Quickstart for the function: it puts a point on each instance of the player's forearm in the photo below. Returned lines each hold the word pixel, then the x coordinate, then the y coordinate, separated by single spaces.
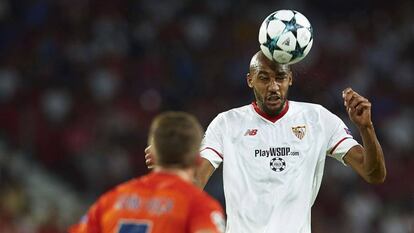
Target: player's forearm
pixel 200 181
pixel 374 164
pixel 203 172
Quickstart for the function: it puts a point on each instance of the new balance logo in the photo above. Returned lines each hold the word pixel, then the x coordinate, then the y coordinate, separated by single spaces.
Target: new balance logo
pixel 250 132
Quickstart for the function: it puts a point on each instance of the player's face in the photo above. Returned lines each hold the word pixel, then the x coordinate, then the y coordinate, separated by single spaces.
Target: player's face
pixel 270 83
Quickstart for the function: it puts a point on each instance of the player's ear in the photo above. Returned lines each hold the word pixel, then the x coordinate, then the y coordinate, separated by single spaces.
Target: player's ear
pixel 249 80
pixel 290 78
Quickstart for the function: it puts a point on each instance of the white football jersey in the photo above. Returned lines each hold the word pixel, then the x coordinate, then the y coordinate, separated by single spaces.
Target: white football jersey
pixel 273 167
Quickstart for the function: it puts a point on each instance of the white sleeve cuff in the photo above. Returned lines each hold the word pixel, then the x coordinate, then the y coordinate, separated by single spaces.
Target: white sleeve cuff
pixel 341 148
pixel 212 155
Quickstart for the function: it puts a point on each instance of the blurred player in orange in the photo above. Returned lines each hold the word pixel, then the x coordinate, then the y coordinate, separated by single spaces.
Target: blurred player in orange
pixel 164 201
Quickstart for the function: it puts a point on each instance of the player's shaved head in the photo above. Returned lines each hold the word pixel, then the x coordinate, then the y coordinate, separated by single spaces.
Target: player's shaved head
pixel 259 59
pixel 270 83
pixel 176 137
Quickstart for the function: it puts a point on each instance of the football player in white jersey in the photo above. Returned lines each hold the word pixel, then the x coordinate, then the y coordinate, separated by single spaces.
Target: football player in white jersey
pixel 273 152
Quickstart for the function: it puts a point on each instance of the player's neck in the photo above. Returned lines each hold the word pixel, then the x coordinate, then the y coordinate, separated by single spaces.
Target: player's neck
pixel 186 174
pixel 271 117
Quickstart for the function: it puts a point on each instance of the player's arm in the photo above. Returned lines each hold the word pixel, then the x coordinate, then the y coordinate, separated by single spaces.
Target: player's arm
pixel 367 161
pixel 203 172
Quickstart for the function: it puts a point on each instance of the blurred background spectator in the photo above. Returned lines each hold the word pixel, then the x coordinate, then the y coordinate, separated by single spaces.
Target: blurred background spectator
pixel 80 81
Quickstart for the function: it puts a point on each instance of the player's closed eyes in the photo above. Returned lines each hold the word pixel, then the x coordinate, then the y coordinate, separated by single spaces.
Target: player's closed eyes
pixel 281 78
pixel 278 78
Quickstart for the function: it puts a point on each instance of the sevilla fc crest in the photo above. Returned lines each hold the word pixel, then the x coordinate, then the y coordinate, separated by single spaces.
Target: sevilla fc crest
pixel 299 131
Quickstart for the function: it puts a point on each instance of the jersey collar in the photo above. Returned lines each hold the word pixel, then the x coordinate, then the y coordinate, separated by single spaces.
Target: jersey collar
pixel 269 118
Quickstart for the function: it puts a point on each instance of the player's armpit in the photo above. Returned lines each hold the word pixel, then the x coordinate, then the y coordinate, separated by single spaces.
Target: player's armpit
pixel 203 172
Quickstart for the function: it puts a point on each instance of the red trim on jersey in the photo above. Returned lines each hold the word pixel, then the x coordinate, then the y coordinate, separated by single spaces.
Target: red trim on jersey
pixel 267 117
pixel 220 155
pixel 337 144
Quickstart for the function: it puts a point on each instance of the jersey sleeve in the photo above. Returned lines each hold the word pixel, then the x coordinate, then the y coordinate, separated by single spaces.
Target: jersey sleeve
pixel 212 144
pixel 206 214
pixel 340 139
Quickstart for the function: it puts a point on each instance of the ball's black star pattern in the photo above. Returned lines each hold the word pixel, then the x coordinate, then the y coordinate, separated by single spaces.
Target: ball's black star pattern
pixel 290 26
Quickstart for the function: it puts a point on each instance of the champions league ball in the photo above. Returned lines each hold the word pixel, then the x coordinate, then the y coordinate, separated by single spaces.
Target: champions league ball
pixel 286 36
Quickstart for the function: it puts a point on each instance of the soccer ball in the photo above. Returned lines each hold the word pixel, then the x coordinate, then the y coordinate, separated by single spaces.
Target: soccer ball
pixel 286 36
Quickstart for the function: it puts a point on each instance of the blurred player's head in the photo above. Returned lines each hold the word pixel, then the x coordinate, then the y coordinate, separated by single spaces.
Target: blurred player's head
pixel 270 82
pixel 176 138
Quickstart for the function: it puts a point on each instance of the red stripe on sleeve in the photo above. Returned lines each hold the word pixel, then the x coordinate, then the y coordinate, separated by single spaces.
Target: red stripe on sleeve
pixel 337 144
pixel 209 148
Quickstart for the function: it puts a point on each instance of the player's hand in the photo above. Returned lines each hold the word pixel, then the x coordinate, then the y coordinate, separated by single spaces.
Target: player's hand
pixel 149 159
pixel 357 107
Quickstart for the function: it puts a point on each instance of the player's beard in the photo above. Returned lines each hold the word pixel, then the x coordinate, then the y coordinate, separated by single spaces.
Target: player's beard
pixel 261 104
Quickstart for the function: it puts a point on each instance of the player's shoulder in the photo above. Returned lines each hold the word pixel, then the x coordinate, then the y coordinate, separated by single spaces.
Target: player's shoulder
pixel 312 111
pixel 304 105
pixel 147 182
pixel 160 181
pixel 296 106
pixel 235 113
pixel 106 199
pixel 240 110
pixel 138 185
pixel 193 194
pixel 126 186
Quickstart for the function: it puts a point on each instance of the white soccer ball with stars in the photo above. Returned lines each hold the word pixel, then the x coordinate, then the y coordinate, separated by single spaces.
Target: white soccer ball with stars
pixel 286 36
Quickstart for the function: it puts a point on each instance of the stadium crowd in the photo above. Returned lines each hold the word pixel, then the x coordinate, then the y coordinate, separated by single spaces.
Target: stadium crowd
pixel 80 81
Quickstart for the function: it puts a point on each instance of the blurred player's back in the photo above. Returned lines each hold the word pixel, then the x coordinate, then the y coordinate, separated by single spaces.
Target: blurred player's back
pixel 164 201
pixel 157 203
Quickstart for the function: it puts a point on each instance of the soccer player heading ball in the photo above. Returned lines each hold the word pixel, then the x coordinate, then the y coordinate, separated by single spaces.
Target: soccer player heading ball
pixel 273 152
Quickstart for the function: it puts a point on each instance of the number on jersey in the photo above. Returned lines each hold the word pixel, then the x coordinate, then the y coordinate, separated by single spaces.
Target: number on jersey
pixel 134 226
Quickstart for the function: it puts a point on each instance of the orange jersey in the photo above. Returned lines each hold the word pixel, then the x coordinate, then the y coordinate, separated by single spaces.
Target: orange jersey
pixel 155 203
